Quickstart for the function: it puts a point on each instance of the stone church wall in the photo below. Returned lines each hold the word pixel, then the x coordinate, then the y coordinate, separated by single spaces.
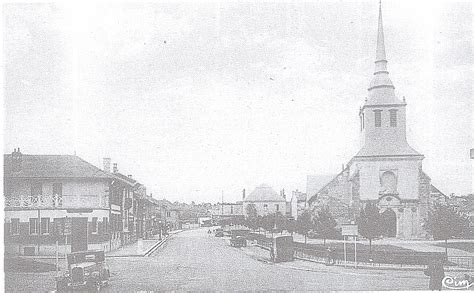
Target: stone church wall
pixel 371 170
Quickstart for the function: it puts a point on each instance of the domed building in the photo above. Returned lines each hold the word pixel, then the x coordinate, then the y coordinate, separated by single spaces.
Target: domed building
pixel 266 201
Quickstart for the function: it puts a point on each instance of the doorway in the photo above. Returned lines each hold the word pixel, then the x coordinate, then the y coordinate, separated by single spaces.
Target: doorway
pixel 79 234
pixel 389 223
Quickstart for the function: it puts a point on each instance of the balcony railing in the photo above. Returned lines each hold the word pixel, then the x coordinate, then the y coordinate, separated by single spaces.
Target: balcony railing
pixel 55 201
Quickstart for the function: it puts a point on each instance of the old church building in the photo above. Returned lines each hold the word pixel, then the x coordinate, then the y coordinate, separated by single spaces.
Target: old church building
pixel 386 170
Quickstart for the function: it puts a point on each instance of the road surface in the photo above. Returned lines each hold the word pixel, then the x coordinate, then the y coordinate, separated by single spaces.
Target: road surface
pixel 193 260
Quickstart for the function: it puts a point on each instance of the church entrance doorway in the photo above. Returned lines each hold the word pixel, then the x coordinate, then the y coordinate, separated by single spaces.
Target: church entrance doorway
pixel 389 223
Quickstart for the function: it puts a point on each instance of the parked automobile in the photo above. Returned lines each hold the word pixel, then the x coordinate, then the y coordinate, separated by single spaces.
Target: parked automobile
pixel 86 270
pixel 219 233
pixel 238 241
pixel 238 238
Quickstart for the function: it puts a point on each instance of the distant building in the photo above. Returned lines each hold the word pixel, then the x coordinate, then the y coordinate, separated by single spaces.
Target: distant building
pixel 223 211
pixel 297 204
pixel 266 201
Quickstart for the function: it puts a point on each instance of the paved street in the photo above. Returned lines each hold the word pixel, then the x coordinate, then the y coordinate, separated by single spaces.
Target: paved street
pixel 193 260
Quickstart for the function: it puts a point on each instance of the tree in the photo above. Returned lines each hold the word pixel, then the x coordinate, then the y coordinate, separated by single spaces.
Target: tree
pixel 303 224
pixel 291 226
pixel 325 224
pixel 369 223
pixel 268 222
pixel 252 217
pixel 280 222
pixel 445 222
pixel 251 210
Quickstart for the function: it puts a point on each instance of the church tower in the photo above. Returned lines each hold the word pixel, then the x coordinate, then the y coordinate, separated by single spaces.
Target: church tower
pixel 388 170
pixel 383 116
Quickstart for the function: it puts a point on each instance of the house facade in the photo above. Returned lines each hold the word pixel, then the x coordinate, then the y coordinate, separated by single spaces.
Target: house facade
pixel 297 204
pixel 266 201
pixel 55 201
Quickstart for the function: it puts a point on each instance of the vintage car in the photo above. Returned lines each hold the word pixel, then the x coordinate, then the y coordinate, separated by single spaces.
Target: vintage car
pixel 238 238
pixel 219 233
pixel 86 270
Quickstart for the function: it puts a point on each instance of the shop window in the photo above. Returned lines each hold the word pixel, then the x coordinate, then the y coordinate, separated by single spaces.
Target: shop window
pixel 94 225
pixel 105 220
pixel 45 225
pixel 15 226
pixel 34 226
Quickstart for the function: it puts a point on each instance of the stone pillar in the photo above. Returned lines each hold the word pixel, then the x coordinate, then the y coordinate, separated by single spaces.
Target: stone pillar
pixel 400 224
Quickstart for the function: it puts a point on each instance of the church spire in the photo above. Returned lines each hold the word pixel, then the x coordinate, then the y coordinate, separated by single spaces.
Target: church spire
pixel 380 54
pixel 381 78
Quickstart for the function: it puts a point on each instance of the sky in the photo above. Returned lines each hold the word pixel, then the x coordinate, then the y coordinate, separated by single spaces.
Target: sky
pixel 198 101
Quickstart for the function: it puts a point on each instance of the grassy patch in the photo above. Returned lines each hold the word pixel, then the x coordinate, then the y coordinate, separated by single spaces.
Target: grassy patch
pixel 466 246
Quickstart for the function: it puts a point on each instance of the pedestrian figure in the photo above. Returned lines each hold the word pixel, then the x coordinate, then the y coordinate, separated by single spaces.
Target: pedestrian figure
pixel 272 254
pixel 435 271
pixel 329 257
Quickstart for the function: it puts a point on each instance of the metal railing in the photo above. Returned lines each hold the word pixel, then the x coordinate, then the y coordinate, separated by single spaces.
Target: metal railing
pixel 462 261
pixel 57 201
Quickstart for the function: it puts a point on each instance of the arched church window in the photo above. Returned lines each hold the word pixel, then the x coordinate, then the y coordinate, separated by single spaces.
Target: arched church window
pixel 388 182
pixel 378 118
pixel 393 118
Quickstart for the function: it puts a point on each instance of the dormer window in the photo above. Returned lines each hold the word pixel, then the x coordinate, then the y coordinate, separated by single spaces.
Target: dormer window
pixel 378 118
pixel 393 118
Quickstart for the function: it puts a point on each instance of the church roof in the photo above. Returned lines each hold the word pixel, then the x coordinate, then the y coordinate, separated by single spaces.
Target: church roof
pixel 381 148
pixel 264 192
pixel 315 182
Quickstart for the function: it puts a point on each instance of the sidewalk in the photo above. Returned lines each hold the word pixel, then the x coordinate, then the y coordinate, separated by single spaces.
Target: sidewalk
pixel 140 247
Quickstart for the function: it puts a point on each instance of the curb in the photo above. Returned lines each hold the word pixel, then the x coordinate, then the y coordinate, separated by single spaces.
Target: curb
pixel 150 251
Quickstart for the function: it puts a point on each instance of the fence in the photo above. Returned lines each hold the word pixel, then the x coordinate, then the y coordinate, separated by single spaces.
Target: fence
pixel 375 257
pixel 462 261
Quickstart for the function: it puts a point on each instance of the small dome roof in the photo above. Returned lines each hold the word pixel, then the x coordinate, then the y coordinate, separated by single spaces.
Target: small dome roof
pixel 264 192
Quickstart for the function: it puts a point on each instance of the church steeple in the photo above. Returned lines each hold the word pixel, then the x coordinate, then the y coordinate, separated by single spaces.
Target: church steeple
pixel 383 115
pixel 381 89
pixel 381 59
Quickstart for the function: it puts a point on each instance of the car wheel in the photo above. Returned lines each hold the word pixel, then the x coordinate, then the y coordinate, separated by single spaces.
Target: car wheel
pixel 95 286
pixel 60 286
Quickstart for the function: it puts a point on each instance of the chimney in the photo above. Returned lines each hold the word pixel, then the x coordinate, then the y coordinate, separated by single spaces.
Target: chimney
pixel 106 164
pixel 243 194
pixel 342 167
pixel 16 160
pixel 115 168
